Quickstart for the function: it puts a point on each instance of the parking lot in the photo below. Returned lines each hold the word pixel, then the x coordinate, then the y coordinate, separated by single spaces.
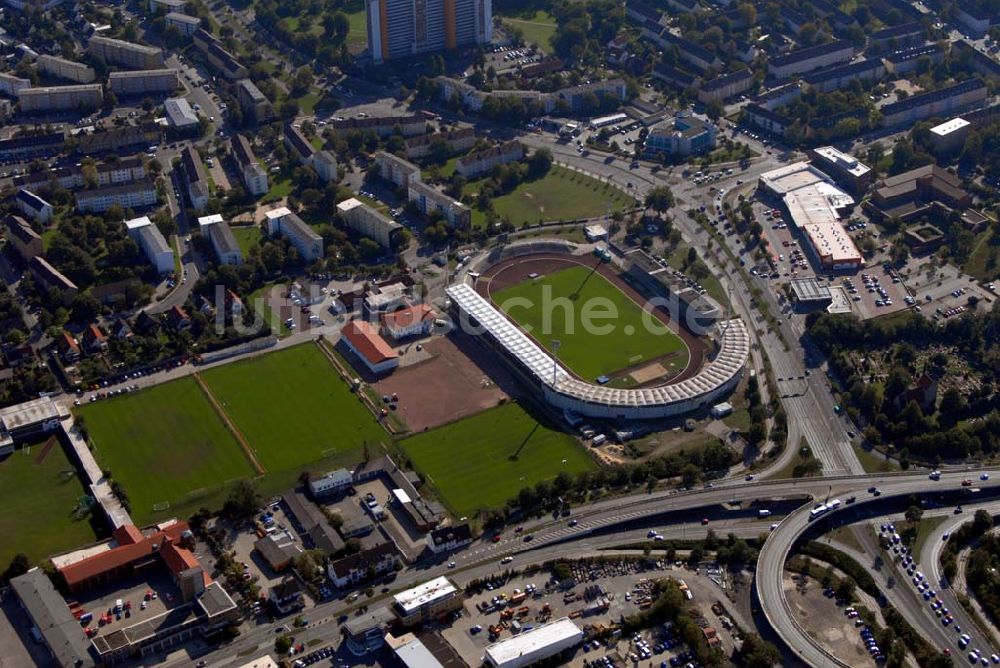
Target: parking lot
pixel 603 594
pixel 943 292
pixel 505 58
pixel 137 600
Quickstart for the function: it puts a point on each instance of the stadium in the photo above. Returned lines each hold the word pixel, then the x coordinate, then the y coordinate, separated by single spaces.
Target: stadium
pixel 709 363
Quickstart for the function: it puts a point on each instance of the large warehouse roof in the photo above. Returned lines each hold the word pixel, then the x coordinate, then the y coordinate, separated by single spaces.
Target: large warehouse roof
pixel 531 642
pixel 730 360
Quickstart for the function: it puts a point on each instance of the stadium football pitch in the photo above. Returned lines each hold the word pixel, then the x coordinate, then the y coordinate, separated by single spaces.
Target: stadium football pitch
pixel 556 306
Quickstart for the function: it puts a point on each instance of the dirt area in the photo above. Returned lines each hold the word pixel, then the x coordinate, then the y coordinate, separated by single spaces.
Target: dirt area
pixel 459 379
pixel 515 270
pixel 826 622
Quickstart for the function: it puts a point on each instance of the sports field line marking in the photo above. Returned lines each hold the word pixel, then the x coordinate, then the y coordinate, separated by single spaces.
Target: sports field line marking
pixel 230 425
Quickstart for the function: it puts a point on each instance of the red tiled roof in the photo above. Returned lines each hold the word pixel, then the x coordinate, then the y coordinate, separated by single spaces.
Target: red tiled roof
pixel 178 559
pixel 367 341
pixel 127 534
pixel 69 341
pixel 408 316
pixel 122 555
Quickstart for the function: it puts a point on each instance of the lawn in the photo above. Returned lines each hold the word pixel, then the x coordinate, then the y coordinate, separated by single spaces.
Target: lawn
pixel 537 28
pixel 293 408
pixel 562 194
pixel 628 341
pixel 38 499
pixel 984 260
pixel 359 23
pixel 280 187
pixel 164 444
pixel 484 460
pixel 247 236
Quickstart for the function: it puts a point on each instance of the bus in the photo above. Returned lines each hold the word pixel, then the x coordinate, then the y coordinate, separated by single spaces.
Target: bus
pixel 824 508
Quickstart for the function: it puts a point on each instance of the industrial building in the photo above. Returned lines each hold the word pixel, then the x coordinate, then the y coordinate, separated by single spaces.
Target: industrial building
pixel 135 195
pixel 254 177
pixel 530 647
pixel 180 115
pixel 368 222
pixel 402 28
pixel 148 237
pixel 564 391
pixel 65 69
pixel 409 652
pixel 126 54
pixel 283 222
pixel 815 205
pixel 79 97
pixel 217 230
pixel 142 82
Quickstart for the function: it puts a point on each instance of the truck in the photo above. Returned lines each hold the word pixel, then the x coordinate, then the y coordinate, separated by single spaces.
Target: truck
pixel 517 597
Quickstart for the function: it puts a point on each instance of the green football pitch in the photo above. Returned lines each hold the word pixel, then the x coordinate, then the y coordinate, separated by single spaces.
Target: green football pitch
pixel 293 408
pixel 165 445
pixel 486 459
pixel 620 335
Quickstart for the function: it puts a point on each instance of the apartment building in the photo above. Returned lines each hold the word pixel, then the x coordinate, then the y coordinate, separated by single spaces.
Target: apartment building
pixel 135 195
pixel 776 98
pixel 383 126
pixel 693 54
pixel 33 206
pixel 978 60
pixel 283 222
pixel 325 164
pixel 394 169
pixel 254 176
pixel 402 28
pixel 935 103
pixel 480 162
pixel 976 20
pixel 811 58
pixel 369 222
pixel 217 230
pixel 453 140
pixel 178 6
pixel 726 86
pixel 897 37
pixel 142 82
pixel 576 96
pixel 65 69
pixel 769 121
pixel 430 201
pixel 196 178
pixel 674 77
pixel 126 54
pixel 149 238
pixel 254 103
pixel 11 85
pixel 903 61
pixel 25 147
pixel 119 139
pixel 71 178
pixel 23 237
pixel 187 25
pixel 835 78
pixel 217 56
pixel 50 277
pixel 61 98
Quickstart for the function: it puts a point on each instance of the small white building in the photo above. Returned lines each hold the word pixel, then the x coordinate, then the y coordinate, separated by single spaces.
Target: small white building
pixel 148 237
pixel 533 646
pixel 332 482
pixel 595 233
pixel 446 539
pixel 721 410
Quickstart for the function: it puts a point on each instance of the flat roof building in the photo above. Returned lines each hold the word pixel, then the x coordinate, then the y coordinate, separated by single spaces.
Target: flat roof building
pixel 11 85
pixel 845 168
pixel 950 136
pixel 427 601
pixel 282 221
pixel 187 25
pixel 60 631
pixel 254 103
pixel 180 115
pixel 28 419
pixel 535 645
pixel 411 653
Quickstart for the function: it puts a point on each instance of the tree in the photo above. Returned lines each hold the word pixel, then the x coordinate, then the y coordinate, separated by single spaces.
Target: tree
pixel 540 163
pixel 660 199
pixel 282 644
pixel 19 565
pixel 758 653
pixel 243 501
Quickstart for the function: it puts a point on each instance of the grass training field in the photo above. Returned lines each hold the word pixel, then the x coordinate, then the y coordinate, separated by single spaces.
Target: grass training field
pixel 469 462
pixel 589 354
pixel 562 194
pixel 537 28
pixel 293 408
pixel 38 497
pixel 162 444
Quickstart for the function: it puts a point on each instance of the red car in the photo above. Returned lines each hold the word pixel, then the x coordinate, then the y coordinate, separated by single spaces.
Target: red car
pixel 966 483
pixel 704 521
pixel 496 538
